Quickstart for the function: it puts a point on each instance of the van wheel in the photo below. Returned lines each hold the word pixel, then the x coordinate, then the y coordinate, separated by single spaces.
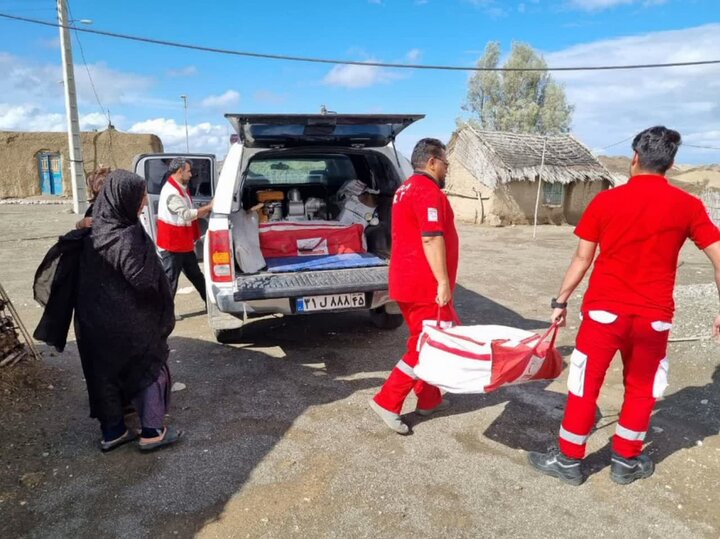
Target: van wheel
pixel 232 330
pixel 228 336
pixel 381 319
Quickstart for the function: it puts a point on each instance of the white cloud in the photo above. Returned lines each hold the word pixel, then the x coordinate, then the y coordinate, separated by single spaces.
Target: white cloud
pixel 51 43
pixel 23 80
pixel 269 97
pixel 27 117
pixel 112 86
pixel 31 99
pixel 228 99
pixel 598 5
pixel 492 8
pixel 595 5
pixel 203 137
pixel 359 76
pixel 182 72
pixel 364 76
pixel 95 121
pixel 413 55
pixel 614 105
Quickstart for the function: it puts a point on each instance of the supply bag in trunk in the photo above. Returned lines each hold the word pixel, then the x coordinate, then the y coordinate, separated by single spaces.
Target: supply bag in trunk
pixel 312 238
pixel 480 359
pixel 247 241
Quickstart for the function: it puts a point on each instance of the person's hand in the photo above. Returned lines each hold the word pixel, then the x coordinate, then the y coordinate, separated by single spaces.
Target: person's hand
pixel 444 294
pixel 559 317
pixel 257 207
pixel 205 210
pixel 85 222
pixel 716 327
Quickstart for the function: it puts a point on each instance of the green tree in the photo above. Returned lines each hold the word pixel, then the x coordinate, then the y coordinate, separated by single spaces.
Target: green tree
pixel 517 101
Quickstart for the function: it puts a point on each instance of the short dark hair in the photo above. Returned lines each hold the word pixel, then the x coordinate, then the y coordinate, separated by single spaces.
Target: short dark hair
pixel 178 163
pixel 424 150
pixel 656 148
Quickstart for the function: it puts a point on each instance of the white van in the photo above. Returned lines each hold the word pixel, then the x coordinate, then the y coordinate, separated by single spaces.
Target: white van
pixel 305 164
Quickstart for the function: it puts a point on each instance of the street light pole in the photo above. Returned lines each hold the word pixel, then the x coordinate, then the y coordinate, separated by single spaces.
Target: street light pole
pixel 187 140
pixel 77 174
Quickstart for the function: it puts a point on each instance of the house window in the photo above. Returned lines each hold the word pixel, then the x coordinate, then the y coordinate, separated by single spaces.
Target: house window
pixel 553 193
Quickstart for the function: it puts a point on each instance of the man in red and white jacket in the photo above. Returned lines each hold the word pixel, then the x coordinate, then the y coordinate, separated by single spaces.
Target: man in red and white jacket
pixel 639 228
pixel 178 229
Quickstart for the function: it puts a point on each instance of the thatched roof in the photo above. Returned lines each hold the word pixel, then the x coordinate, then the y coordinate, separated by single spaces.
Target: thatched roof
pixel 495 157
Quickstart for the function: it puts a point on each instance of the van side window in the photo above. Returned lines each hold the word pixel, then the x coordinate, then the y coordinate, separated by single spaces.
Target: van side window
pixel 156 174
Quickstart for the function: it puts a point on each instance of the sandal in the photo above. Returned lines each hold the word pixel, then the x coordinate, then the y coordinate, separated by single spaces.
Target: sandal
pixel 169 436
pixel 128 436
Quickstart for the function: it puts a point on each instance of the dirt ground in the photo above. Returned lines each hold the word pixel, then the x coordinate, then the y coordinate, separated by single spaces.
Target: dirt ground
pixel 281 443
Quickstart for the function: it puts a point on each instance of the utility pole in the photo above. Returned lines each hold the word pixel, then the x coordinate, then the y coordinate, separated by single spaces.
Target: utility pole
pixel 187 140
pixel 540 182
pixel 77 173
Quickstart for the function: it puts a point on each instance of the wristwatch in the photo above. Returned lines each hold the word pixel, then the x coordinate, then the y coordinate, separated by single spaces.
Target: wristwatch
pixel 555 304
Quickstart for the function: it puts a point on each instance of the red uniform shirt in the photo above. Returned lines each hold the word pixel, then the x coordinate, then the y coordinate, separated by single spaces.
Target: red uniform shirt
pixel 640 228
pixel 420 209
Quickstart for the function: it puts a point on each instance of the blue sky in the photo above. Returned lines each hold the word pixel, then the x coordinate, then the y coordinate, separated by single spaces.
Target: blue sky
pixel 141 83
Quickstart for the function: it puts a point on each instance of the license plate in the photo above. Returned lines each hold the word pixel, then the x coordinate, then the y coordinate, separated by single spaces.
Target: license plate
pixel 356 300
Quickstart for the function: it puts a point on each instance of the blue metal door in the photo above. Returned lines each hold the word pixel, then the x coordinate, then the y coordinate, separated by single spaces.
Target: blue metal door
pixel 56 174
pixel 44 168
pixel 50 168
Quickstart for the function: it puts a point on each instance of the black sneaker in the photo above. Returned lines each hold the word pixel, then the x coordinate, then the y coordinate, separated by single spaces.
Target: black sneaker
pixel 624 471
pixel 555 464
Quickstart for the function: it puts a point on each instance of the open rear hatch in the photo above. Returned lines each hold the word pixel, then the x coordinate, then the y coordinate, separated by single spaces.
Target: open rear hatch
pixel 348 130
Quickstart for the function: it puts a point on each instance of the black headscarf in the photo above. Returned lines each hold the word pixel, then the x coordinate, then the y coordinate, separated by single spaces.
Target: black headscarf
pixel 117 234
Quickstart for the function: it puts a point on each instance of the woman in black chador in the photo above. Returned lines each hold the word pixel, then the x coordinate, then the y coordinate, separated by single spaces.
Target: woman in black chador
pixel 123 316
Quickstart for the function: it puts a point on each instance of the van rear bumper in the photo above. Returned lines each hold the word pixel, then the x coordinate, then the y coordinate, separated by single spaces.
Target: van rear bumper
pixel 286 305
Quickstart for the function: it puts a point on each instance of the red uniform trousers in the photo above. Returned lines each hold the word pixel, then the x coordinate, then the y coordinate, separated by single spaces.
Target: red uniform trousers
pixel 642 343
pixel 402 379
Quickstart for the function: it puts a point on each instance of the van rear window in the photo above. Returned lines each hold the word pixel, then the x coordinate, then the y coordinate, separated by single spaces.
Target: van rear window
pixel 298 170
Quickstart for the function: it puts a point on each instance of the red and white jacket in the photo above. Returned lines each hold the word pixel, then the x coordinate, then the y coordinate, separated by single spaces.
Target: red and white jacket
pixel 173 233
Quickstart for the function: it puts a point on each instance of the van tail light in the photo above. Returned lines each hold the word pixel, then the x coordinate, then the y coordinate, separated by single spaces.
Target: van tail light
pixel 221 260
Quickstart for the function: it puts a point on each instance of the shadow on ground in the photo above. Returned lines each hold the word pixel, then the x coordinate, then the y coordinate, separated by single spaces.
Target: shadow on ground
pixel 683 420
pixel 475 308
pixel 240 401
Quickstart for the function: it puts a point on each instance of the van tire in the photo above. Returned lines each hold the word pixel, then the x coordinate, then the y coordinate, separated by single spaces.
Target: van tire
pixel 228 336
pixel 382 320
pixel 225 327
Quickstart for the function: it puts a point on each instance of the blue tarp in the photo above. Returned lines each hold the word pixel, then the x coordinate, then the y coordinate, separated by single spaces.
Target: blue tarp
pixel 323 262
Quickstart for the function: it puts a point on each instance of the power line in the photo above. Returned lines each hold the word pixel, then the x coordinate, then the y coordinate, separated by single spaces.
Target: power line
pixel 92 83
pixel 682 144
pixel 616 143
pixel 701 147
pixel 309 59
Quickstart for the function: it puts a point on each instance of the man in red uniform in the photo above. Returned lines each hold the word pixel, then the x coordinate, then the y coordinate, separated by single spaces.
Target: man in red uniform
pixel 423 269
pixel 628 307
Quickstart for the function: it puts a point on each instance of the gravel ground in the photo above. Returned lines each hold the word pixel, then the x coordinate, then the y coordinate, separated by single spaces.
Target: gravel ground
pixel 281 442
pixel 695 302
